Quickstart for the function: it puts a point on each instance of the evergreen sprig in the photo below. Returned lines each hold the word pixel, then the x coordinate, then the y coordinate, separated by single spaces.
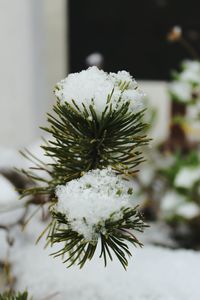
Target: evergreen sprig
pixel 77 250
pixel 82 141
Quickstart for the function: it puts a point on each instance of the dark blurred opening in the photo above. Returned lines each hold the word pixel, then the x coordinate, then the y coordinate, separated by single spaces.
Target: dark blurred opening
pixel 131 34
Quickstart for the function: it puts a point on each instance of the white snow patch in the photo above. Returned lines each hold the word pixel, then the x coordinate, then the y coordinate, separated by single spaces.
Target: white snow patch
pixel 10 158
pixel 182 90
pixel 170 202
pixel 187 82
pixel 153 274
pixel 93 86
pixel 174 203
pixel 191 71
pixel 8 194
pixel 91 200
pixel 188 210
pixel 3 245
pixel 187 176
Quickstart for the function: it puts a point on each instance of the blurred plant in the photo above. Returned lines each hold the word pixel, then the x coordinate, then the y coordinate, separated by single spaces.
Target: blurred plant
pixel 172 190
pixel 10 295
pixel 175 35
pixel 183 178
pixel 185 86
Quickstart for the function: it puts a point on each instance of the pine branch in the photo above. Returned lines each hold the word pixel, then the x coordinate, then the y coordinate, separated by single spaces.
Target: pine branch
pixel 77 250
pixel 80 142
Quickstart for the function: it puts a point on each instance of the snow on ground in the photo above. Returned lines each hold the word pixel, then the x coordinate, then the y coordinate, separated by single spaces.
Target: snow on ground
pixel 10 158
pixel 8 194
pixel 11 207
pixel 154 273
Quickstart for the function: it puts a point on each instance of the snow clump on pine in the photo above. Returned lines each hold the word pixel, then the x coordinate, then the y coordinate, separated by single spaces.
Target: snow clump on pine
pixel 88 202
pixel 94 87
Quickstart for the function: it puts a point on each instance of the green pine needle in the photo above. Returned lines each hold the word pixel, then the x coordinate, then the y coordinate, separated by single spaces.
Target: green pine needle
pixel 10 295
pixel 77 250
pixel 81 142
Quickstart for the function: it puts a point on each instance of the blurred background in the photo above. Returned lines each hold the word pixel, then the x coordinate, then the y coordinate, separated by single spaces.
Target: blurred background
pixel 33 57
pixel 42 41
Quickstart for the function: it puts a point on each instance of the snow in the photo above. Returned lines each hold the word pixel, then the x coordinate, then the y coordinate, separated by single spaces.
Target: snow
pixel 10 158
pixel 158 233
pixel 191 72
pixel 12 216
pixel 154 273
pixel 188 210
pixel 170 202
pixel 3 245
pixel 146 174
pixel 187 81
pixel 187 176
pixel 94 86
pixel 174 203
pixel 8 194
pixel 89 201
pixel 181 90
pixel 38 152
pixel 11 207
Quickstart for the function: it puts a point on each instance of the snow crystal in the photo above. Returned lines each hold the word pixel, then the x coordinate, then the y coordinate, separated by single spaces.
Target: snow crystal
pixel 94 86
pixel 92 199
pixel 187 176
pixel 123 76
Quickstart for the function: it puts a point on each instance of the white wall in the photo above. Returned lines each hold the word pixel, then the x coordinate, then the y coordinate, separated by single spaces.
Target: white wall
pixel 157 96
pixel 32 59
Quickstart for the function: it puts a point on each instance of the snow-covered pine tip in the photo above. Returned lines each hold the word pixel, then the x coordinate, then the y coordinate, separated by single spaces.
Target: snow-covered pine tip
pixel 88 202
pixel 96 87
pixel 99 205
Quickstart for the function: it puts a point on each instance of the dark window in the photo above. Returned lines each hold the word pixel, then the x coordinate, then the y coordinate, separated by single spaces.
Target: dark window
pixel 131 34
